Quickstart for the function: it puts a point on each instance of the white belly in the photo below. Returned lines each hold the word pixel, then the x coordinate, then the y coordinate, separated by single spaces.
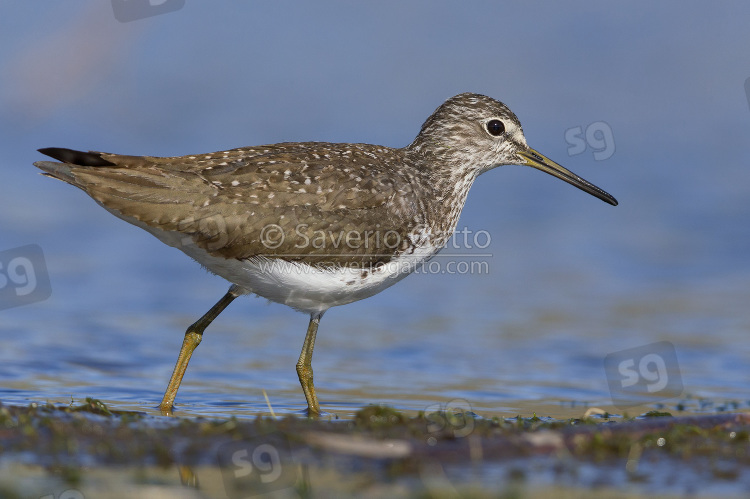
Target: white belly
pixel 298 285
pixel 306 288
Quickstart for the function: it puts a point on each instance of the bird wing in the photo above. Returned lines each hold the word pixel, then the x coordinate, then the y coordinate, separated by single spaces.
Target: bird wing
pixel 306 202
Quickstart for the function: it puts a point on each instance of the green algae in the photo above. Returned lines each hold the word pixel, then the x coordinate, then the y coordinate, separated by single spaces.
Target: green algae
pixel 379 445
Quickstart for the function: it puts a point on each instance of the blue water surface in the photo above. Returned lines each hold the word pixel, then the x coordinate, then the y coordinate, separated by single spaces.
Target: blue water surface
pixel 568 281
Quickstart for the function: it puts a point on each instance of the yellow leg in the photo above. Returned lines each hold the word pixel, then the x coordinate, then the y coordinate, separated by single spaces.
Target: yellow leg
pixel 304 366
pixel 193 337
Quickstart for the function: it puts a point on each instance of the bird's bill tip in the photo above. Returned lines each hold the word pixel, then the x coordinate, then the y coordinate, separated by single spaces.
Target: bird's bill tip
pixel 534 159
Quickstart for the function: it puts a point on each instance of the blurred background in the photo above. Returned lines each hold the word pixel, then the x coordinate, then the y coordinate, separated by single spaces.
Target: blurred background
pixel 649 102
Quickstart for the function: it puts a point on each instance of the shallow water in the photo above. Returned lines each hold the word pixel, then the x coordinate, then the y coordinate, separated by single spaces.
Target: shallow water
pixel 529 336
pixel 570 280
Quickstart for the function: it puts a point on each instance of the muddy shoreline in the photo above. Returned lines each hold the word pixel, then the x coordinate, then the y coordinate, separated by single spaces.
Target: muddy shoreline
pixel 380 449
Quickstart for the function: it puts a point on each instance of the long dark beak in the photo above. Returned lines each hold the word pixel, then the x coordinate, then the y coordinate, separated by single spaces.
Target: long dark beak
pixel 541 162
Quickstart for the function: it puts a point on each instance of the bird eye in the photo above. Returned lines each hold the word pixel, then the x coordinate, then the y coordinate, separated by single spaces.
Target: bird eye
pixel 495 127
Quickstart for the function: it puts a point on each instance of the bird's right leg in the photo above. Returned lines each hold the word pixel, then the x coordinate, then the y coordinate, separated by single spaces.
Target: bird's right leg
pixel 304 366
pixel 193 337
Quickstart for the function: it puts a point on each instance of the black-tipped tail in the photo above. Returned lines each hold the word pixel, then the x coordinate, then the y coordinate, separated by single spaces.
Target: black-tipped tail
pixel 79 158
